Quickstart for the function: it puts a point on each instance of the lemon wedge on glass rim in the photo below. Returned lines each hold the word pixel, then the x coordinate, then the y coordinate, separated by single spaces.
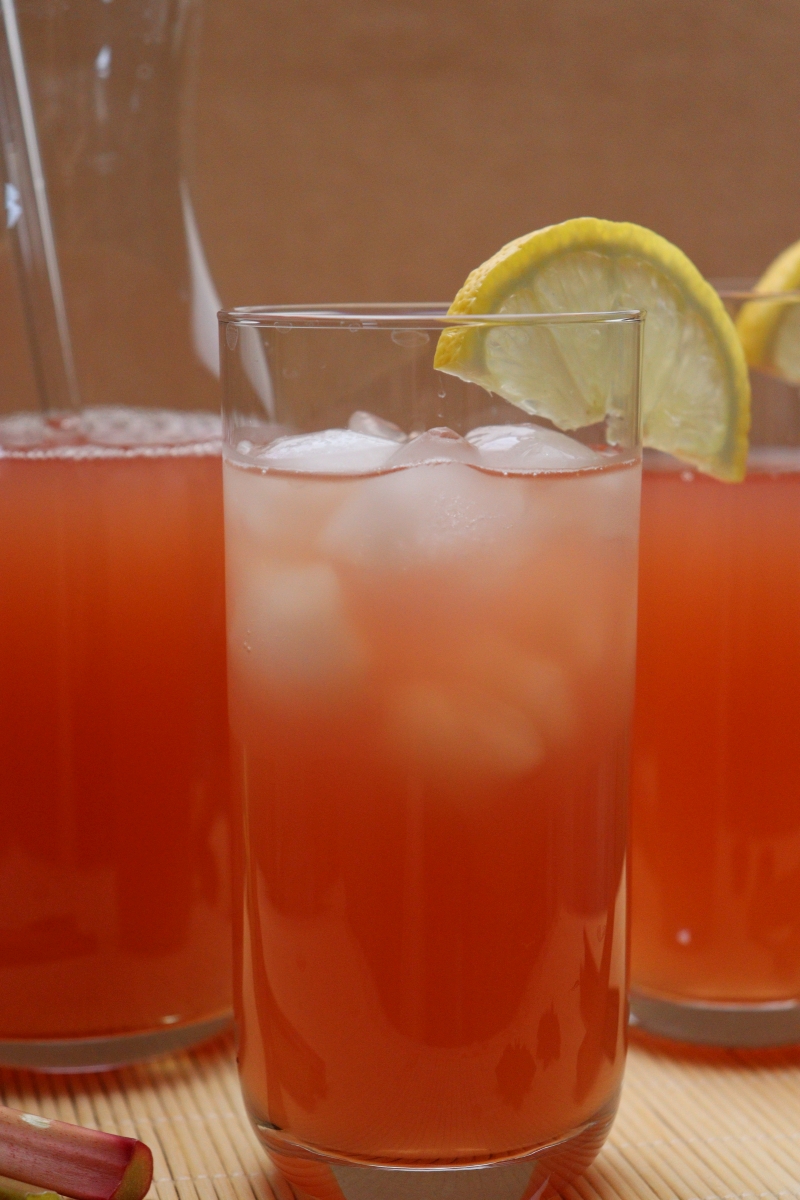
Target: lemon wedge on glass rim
pixel 695 386
pixel 770 329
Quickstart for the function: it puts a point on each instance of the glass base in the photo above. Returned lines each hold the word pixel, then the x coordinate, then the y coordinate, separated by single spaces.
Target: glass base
pixel 776 1023
pixel 103 1053
pixel 303 1174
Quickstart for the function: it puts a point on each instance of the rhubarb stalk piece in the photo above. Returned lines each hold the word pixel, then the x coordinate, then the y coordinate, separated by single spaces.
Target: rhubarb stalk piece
pixel 84 1164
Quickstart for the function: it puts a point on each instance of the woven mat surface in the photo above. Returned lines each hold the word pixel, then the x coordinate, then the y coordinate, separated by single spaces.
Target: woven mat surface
pixel 693 1124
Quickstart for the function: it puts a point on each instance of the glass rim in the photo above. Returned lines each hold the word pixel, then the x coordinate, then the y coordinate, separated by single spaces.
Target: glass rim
pixel 425 315
pixel 744 288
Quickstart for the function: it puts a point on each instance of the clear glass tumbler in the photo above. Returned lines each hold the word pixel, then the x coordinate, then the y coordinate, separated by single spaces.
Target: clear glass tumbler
pixel 431 634
pixel 114 852
pixel 716 818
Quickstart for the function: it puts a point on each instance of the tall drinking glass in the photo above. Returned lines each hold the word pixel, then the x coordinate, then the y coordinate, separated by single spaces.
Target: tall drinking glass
pixel 114 856
pixel 431 621
pixel 716 818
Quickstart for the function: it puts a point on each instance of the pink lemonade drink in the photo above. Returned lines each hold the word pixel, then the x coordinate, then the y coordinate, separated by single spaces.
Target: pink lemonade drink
pixel 431 650
pixel 716 831
pixel 114 913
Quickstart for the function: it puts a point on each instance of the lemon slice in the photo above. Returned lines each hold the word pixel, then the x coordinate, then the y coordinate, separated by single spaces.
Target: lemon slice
pixel 770 329
pixel 695 386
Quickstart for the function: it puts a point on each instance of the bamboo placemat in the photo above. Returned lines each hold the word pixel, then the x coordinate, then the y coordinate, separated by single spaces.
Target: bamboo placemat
pixel 693 1124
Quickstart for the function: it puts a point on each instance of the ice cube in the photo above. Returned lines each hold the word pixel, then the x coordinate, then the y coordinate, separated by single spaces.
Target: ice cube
pixel 329 452
pixel 275 515
pixel 436 446
pixel 487 706
pixel 290 632
pixel 454 733
pixel 530 448
pixel 537 686
pixel 425 516
pixel 364 422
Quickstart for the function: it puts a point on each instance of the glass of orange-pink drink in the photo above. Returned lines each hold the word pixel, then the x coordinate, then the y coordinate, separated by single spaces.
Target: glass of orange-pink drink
pixel 431 628
pixel 114 882
pixel 716 818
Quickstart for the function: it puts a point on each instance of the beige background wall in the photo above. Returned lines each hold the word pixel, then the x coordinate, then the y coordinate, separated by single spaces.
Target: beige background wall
pixel 379 149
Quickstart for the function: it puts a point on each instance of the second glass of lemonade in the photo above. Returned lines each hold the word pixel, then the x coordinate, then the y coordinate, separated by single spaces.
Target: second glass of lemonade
pixel 716 819
pixel 431 619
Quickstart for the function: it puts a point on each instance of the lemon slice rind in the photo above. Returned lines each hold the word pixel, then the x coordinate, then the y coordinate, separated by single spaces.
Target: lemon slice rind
pixel 769 329
pixel 695 393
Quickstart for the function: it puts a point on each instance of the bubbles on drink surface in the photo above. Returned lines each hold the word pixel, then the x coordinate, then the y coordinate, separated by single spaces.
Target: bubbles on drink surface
pixel 109 432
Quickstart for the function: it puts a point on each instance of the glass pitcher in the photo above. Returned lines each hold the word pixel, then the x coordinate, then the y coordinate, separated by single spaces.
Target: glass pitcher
pixel 114 888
